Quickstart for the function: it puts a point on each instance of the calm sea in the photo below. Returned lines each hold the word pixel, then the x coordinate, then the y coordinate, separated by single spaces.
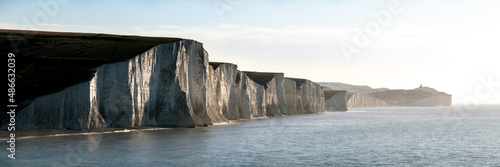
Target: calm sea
pixel 399 136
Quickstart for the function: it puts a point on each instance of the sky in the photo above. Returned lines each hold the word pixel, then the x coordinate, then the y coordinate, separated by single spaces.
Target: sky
pixel 397 44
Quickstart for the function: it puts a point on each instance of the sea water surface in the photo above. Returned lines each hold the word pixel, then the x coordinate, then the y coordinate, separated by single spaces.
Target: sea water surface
pixel 396 136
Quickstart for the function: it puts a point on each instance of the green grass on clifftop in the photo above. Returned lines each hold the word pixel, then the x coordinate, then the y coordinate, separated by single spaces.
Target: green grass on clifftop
pixel 329 93
pixel 260 78
pixel 405 96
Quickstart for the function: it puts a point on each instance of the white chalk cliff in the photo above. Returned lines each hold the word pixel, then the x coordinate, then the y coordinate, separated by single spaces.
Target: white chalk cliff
pixel 360 100
pixel 171 84
pixel 335 100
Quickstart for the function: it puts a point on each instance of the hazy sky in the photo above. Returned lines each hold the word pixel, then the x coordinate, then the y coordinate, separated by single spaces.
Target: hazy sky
pixel 448 45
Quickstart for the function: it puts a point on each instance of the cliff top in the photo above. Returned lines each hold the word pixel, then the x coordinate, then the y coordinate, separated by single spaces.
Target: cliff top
pixel 217 64
pixel 298 81
pixel 351 88
pixel 47 62
pixel 262 78
pixel 329 93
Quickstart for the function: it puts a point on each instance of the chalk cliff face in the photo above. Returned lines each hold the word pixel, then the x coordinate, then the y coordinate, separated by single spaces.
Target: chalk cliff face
pixel 309 98
pixel 437 100
pixel 360 100
pixel 172 84
pixel 248 95
pixel 357 100
pixel 335 100
pixel 163 86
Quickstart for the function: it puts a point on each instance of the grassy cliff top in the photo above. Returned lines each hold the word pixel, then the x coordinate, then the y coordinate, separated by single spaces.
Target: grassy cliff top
pixel 261 78
pixel 298 81
pixel 404 96
pixel 47 62
pixel 329 93
pixel 215 65
pixel 351 88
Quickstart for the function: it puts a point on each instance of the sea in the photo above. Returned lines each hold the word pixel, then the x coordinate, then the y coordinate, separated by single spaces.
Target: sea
pixel 392 136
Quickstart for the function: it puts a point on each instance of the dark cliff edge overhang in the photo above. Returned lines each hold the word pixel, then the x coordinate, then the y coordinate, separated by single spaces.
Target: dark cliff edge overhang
pixel 48 62
pixel 330 93
pixel 261 78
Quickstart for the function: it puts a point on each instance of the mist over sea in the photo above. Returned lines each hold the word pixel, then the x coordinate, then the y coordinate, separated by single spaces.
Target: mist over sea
pixel 395 136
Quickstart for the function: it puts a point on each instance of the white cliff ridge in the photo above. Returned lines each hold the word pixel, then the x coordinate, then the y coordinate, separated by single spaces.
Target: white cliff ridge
pixel 171 84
